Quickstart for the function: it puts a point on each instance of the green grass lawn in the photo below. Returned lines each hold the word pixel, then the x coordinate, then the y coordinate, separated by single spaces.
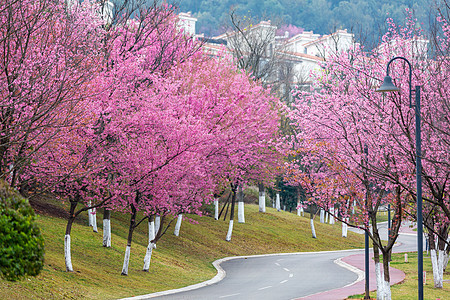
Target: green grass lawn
pixel 177 261
pixel 407 290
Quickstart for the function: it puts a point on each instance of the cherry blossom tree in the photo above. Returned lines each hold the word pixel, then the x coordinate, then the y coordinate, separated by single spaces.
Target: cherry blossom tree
pixel 358 146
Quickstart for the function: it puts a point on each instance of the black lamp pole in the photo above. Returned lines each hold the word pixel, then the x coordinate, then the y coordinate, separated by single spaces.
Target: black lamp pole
pixel 366 241
pixel 388 86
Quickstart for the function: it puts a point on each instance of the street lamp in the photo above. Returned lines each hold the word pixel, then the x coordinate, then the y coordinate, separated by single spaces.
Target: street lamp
pixel 388 86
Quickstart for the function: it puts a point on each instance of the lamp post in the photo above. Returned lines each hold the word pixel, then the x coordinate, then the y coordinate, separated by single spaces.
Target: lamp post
pixel 366 240
pixel 388 86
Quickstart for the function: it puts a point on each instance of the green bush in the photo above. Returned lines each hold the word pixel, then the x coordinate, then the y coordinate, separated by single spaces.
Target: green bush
pixel 21 242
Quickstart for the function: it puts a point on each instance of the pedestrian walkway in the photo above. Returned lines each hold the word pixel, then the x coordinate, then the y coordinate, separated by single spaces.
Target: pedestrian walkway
pixel 358 287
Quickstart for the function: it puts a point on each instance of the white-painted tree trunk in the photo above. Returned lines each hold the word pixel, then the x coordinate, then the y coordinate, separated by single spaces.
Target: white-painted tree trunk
pixel 277 202
pixel 380 281
pixel 441 267
pixel 90 221
pixel 151 231
pixel 126 261
pixel 331 215
pixel 326 217
pixel 94 220
pixel 344 229
pixel 67 255
pixel 322 216
pixel 157 224
pixel 446 258
pixel 230 231
pixel 216 209
pixel 302 211
pixel 106 233
pixel 437 265
pixel 353 206
pixel 299 212
pixel 148 256
pixel 176 232
pixel 383 287
pixel 262 199
pixel 241 215
pixel 313 230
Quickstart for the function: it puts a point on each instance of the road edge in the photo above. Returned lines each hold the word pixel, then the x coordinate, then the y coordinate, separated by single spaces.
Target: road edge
pixel 221 272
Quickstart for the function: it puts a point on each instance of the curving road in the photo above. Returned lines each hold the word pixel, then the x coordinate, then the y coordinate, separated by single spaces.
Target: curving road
pixel 283 276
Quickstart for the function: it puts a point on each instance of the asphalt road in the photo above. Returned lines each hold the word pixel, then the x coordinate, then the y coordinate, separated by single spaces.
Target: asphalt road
pixel 276 277
pixel 285 276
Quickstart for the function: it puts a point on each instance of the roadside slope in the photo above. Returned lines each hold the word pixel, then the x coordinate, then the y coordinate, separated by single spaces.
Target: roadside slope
pixel 177 261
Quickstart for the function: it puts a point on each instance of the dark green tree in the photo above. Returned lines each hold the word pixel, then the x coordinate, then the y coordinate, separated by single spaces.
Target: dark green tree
pixel 21 242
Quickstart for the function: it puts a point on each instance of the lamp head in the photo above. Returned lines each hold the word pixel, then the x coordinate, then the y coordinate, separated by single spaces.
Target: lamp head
pixel 388 86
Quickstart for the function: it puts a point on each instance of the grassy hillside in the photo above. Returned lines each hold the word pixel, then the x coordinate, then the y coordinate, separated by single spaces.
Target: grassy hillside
pixel 177 261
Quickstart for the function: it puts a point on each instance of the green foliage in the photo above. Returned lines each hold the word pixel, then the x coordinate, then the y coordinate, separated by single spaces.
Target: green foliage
pixel 366 18
pixel 21 243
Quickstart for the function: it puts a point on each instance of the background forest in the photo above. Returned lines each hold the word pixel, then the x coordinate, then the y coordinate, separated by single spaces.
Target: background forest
pixel 365 18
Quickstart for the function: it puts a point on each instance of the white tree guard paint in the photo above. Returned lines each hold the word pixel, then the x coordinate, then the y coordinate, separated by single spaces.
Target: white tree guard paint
pixel 353 206
pixel 126 261
pixel 262 201
pixel 241 214
pixel 299 212
pixel 230 231
pixel 381 289
pixel 441 266
pixel 446 258
pixel 176 232
pixel 148 256
pixel 67 255
pixel 387 291
pixel 302 211
pixel 151 231
pixel 157 224
pixel 322 216
pixel 436 268
pixel 326 217
pixel 94 220
pixel 331 215
pixel 90 215
pixel 344 229
pixel 313 230
pixel 277 202
pixel 106 233
pixel 216 209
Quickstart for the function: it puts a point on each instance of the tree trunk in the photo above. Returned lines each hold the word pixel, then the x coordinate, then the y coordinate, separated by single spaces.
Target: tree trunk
pixel 90 221
pixel 313 230
pixel 277 202
pixel 344 228
pixel 387 278
pixel 322 216
pixel 148 256
pixel 67 254
pixel 241 215
pixel 157 224
pixel 327 215
pixel 437 275
pixel 230 226
pixel 176 232
pixel 94 219
pixel 262 198
pixel 216 209
pixel 106 228
pixel 126 259
pixel 332 215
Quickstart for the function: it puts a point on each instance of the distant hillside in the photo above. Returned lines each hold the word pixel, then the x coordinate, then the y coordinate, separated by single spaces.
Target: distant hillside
pixel 366 18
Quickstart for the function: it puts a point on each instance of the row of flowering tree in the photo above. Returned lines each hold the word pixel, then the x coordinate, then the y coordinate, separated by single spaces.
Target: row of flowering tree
pixel 354 148
pixel 126 112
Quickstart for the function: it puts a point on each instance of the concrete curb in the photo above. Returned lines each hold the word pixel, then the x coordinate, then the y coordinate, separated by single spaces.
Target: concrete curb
pixel 221 272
